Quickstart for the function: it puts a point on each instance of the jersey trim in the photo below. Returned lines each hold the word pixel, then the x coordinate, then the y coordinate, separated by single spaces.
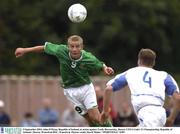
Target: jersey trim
pixel 119 83
pixel 45 44
pixel 146 106
pixel 77 59
pixel 170 86
pixel 149 95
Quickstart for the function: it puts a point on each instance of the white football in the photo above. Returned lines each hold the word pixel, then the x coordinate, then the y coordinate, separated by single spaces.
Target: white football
pixel 77 13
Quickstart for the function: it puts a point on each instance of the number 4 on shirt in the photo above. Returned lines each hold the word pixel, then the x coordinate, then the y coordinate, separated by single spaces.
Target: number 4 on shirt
pixel 147 79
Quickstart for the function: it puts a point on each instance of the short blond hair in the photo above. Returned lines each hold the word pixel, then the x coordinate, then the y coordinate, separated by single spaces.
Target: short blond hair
pixel 75 38
pixel 147 57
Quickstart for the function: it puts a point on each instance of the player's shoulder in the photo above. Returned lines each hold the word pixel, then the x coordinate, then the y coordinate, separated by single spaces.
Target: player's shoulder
pixel 133 69
pixel 60 46
pixel 55 44
pixel 87 54
pixel 160 72
pixel 140 69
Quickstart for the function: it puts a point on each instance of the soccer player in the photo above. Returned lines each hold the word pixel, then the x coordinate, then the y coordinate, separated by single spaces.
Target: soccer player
pixel 148 88
pixel 75 66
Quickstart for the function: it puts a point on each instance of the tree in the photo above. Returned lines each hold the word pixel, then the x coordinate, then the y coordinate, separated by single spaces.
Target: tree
pixel 114 30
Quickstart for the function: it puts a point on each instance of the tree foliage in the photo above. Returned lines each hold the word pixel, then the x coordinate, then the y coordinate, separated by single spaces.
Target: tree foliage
pixel 114 31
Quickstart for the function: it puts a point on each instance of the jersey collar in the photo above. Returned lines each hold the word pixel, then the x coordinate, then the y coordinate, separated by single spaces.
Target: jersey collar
pixel 77 59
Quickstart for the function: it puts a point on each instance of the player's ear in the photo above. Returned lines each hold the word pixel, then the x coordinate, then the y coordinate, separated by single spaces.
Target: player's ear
pixel 138 62
pixel 68 45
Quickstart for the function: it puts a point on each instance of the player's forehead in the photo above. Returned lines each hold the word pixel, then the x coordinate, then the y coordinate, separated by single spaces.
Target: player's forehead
pixel 75 40
pixel 74 43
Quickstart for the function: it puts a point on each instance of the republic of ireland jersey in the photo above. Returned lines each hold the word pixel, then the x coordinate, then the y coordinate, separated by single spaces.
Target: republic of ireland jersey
pixel 74 73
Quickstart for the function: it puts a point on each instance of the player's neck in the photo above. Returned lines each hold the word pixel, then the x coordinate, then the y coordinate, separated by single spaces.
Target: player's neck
pixel 75 58
pixel 145 66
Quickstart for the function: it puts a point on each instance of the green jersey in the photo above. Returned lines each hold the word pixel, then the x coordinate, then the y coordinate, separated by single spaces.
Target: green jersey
pixel 74 73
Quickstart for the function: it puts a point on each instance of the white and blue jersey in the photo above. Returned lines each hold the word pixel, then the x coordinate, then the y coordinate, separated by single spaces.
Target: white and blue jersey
pixel 148 86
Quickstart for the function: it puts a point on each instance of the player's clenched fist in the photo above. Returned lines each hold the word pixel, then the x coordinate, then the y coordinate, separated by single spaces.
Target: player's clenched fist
pixel 19 52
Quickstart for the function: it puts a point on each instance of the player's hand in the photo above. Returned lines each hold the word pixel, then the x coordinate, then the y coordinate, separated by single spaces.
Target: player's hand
pixel 108 70
pixel 19 52
pixel 104 116
pixel 169 122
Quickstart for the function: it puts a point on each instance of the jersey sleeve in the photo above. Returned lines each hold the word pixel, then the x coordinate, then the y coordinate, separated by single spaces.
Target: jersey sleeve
pixel 54 49
pixel 98 64
pixel 94 64
pixel 112 80
pixel 171 85
pixel 118 82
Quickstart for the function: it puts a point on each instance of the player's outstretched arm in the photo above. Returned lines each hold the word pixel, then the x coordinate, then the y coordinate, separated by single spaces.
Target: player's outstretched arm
pixel 175 110
pixel 21 51
pixel 106 103
pixel 108 70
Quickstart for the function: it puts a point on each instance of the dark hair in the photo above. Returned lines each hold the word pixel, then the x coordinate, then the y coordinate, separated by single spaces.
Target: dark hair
pixel 147 57
pixel 28 115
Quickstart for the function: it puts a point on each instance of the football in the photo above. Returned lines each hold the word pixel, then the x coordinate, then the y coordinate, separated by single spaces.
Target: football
pixel 77 13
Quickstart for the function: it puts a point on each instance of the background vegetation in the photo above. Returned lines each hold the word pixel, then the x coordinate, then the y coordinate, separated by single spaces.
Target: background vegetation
pixel 114 31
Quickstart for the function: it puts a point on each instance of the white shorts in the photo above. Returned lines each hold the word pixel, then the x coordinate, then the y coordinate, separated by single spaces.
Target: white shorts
pixel 152 116
pixel 83 98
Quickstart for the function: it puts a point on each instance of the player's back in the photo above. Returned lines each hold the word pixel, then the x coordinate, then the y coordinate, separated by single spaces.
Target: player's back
pixel 147 86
